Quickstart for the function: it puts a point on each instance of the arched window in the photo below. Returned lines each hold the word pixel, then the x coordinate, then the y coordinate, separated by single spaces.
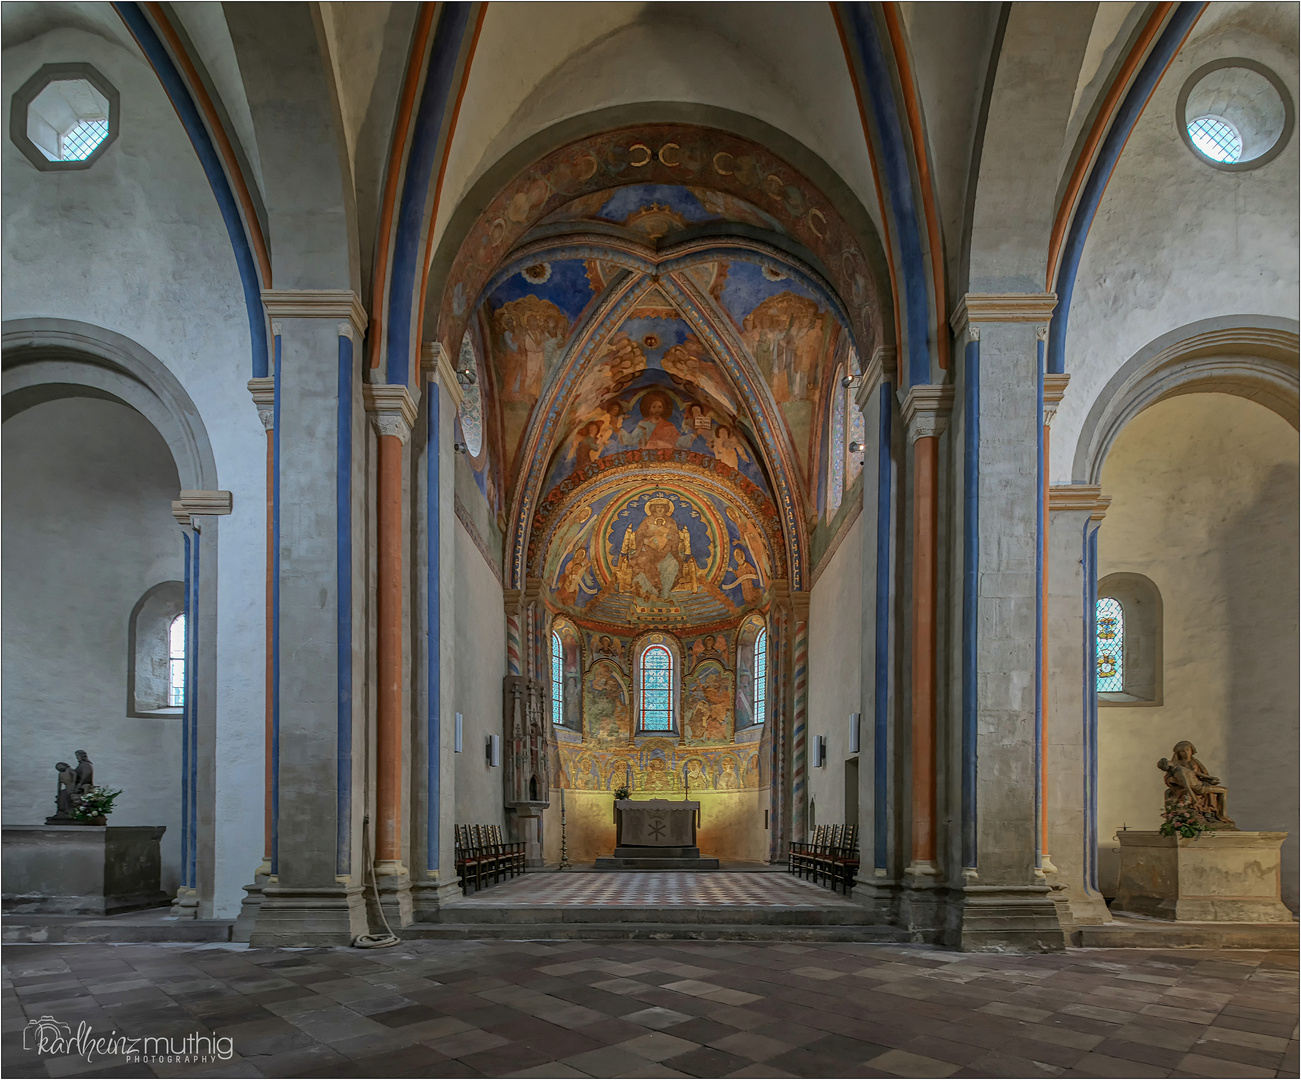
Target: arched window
pixel 655 702
pixel 471 411
pixel 857 427
pixel 557 679
pixel 1128 642
pixel 176 662
pixel 1110 644
pixel 761 676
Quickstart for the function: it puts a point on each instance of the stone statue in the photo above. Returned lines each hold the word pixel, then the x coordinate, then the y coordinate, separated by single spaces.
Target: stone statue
pixel 66 795
pixel 1187 783
pixel 85 773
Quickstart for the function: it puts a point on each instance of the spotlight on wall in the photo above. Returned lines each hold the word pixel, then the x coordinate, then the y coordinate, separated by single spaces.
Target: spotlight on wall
pixel 494 751
pixel 459 447
pixel 849 380
pixel 856 447
pixel 854 721
pixel 459 744
pixel 819 751
pixel 467 377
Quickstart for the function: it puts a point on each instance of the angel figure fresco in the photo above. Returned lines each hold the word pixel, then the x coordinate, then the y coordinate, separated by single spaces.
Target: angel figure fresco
pixel 530 328
pixel 754 541
pixel 785 337
pixel 729 449
pixel 620 365
pixel 572 535
pixel 745 577
pixel 576 580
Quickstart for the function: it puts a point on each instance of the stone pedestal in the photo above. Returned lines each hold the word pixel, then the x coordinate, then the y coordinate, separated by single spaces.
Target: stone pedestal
pixel 1223 876
pixel 82 869
pixel 527 826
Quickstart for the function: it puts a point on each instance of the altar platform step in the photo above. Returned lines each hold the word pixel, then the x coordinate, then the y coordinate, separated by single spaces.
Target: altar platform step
pixel 152 925
pixel 652 931
pixel 1128 932
pixel 656 858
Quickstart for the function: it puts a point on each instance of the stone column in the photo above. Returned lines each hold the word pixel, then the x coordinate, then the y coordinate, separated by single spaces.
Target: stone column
pixel 780 661
pixel 1054 389
pixel 314 894
pixel 875 398
pixel 392 411
pixel 1000 899
pixel 196 513
pixel 925 413
pixel 799 602
pixel 1075 511
pixel 263 392
pixel 433 784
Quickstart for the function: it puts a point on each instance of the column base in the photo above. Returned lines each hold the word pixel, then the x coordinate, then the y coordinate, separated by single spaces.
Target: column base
pixel 247 917
pixel 186 904
pixel 923 904
pixel 1007 918
pixel 394 895
pixel 430 896
pixel 303 917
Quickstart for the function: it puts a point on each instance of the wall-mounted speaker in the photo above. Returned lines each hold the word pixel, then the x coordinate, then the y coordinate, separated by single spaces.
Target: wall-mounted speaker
pixel 460 733
pixel 855 719
pixel 494 751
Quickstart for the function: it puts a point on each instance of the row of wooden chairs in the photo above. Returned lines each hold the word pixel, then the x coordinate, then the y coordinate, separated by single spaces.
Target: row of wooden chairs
pixel 481 854
pixel 829 858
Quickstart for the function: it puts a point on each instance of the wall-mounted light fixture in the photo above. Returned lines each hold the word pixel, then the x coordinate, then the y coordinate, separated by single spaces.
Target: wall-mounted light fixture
pixel 856 447
pixel 459 743
pixel 819 751
pixel 494 751
pixel 854 720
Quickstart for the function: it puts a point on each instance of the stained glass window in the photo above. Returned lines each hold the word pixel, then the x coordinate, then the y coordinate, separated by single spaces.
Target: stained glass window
pixel 761 676
pixel 836 471
pixel 857 434
pixel 1110 646
pixel 656 689
pixel 557 679
pixel 176 662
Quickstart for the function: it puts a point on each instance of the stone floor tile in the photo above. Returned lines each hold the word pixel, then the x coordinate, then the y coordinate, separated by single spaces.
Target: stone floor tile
pixel 760 1072
pixel 657 1018
pixel 1015 1012
pixel 1244 1038
pixel 553 1069
pixel 611 1032
pixel 751 1045
pixel 1201 1065
pixel 1062 1036
pixel 706 1061
pixel 607 1061
pixel 657 1046
pixel 1097 1012
pixel 903 1063
pixel 464 1043
pixel 1243 1055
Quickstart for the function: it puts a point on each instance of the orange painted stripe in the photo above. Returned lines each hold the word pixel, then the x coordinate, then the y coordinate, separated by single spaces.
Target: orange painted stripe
pixel 442 170
pixel 233 171
pixel 876 173
pixel 913 109
pixel 397 157
pixel 1100 124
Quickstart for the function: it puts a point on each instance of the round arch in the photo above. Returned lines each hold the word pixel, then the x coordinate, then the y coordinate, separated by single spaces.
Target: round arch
pixel 1255 357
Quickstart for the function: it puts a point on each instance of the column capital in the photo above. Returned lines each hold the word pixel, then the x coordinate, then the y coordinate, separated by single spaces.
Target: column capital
pixel 1086 497
pixel 1054 391
pixel 436 366
pixel 342 304
pixel 391 408
pixel 926 410
pixel 799 601
pixel 879 368
pixel 975 308
pixel 532 589
pixel 192 504
pixel 264 397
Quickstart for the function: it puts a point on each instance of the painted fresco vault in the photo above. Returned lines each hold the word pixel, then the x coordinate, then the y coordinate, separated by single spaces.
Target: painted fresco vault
pixel 646 307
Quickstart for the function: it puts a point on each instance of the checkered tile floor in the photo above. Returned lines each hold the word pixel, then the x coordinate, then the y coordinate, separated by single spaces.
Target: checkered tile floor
pixel 709 1009
pixel 661 888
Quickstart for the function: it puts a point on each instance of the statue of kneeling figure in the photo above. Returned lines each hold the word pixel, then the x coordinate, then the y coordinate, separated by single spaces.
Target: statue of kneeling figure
pixel 1188 784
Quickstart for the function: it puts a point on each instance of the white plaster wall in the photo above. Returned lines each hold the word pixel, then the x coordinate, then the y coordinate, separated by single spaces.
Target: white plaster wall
pixel 480 668
pixel 136 244
pixel 835 655
pixel 1204 502
pixel 1176 241
pixel 88 529
pixel 538 64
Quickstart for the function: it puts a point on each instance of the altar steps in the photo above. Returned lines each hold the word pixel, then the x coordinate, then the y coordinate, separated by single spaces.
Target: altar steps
pixel 1126 932
pixel 629 931
pixel 666 858
pixel 155 925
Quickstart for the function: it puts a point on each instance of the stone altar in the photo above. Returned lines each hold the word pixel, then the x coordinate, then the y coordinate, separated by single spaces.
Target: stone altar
pixel 656 822
pixel 82 869
pixel 1221 876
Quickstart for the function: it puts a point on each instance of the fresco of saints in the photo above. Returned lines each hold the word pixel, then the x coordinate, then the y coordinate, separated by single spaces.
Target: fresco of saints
pixel 656 431
pixel 587 444
pixel 605 711
pixel 686 367
pixel 730 780
pixel 708 720
pixel 653 553
pixel 746 577
pixel 754 540
pixel 621 364
pixel 530 328
pixel 695 774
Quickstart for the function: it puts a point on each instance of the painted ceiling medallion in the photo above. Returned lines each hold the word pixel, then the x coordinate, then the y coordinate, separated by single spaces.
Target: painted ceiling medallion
pixel 656 221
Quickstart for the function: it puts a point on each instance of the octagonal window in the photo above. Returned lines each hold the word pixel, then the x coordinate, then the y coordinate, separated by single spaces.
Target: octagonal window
pixel 64 117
